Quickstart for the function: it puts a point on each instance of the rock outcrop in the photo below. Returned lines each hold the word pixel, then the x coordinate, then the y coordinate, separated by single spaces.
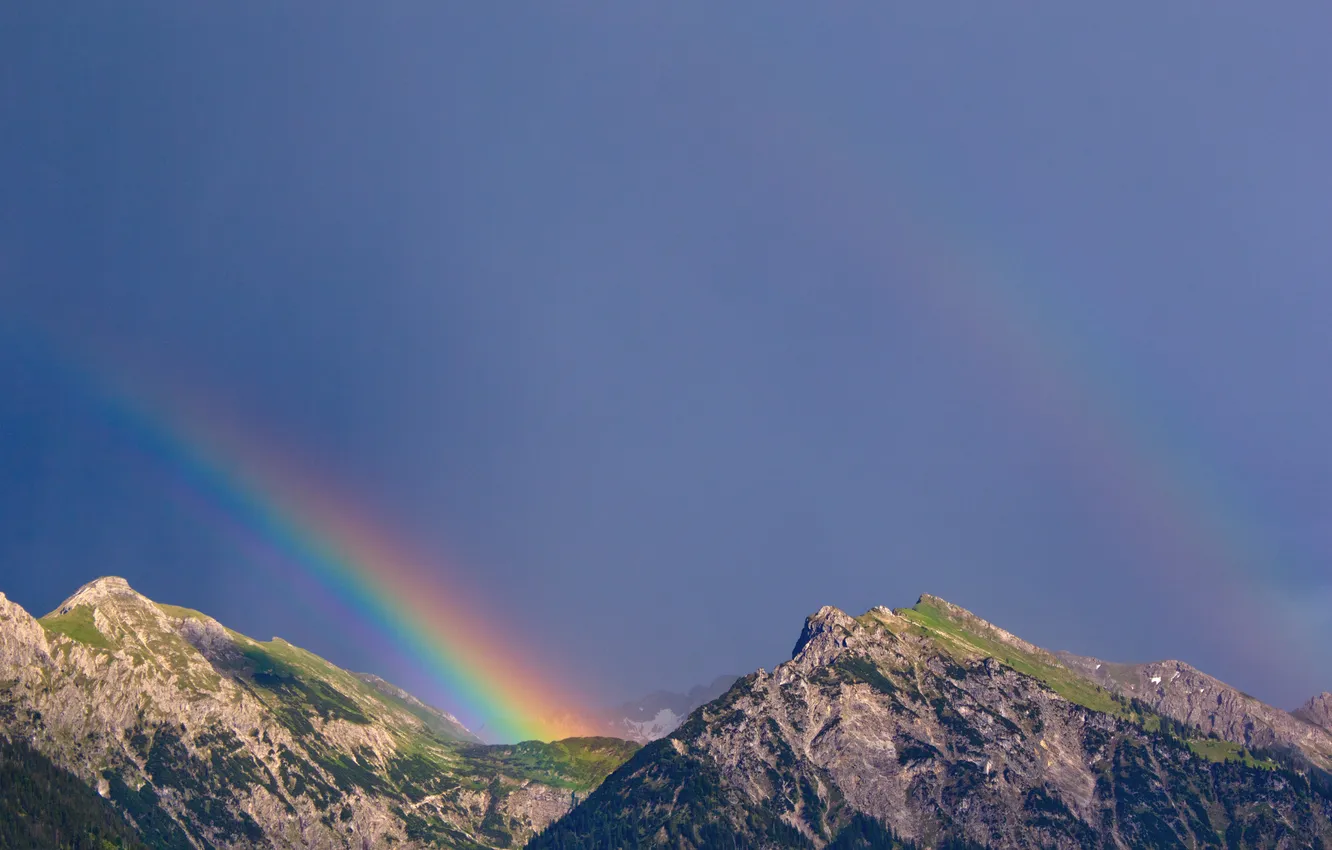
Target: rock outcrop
pixel 1317 711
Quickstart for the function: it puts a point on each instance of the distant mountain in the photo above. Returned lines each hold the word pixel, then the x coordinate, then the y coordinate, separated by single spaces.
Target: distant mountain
pixel 659 713
pixel 202 737
pixel 642 720
pixel 930 727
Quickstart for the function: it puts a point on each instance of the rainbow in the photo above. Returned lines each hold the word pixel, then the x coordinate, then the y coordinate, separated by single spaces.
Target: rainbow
pixel 400 594
pixel 1192 533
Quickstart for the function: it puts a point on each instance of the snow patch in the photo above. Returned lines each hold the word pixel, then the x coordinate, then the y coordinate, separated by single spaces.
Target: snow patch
pixel 663 724
pixel 1156 680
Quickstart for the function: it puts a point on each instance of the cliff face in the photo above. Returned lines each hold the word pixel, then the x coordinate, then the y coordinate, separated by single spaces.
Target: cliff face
pixel 943 728
pixel 1317 711
pixel 207 738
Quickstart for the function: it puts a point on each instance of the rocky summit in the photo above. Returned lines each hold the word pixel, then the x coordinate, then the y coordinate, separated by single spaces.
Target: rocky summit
pixel 930 727
pixel 201 737
pixel 1317 711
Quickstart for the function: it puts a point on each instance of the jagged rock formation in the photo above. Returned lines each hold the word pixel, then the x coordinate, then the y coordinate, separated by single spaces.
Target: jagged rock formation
pixel 1317 711
pixel 1190 696
pixel 944 728
pixel 206 738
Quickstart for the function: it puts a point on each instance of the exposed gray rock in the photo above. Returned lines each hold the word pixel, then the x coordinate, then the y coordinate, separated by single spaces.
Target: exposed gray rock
pixel 22 640
pixel 1186 694
pixel 1317 711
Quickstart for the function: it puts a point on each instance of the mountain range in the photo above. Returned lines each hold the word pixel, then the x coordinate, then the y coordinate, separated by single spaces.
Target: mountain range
pixel 916 727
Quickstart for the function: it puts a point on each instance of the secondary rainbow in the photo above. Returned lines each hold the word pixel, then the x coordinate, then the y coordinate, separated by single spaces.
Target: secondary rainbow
pixel 1192 530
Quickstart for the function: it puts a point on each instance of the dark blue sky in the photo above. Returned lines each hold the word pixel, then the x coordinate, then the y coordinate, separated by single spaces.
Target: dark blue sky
pixel 672 323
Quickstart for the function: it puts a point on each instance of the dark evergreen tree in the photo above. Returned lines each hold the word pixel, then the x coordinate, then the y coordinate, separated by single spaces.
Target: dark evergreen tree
pixel 44 806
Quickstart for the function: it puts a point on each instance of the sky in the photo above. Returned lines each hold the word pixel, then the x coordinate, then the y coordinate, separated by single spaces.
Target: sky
pixel 656 327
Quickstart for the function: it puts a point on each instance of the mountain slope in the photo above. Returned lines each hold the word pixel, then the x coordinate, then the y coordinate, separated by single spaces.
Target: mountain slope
pixel 1181 692
pixel 207 738
pixel 946 729
pixel 435 720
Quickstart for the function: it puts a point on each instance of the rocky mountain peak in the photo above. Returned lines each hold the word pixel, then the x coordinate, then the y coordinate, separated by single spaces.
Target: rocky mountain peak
pixel 100 591
pixel 1317 711
pixel 827 628
pixel 829 614
pixel 107 612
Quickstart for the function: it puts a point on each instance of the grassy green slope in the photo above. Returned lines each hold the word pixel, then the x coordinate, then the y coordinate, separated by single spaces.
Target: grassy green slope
pixel 578 764
pixel 77 624
pixel 966 636
pixel 970 637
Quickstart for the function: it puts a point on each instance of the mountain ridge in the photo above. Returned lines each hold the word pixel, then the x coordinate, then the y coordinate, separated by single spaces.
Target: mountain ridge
pixel 941 728
pixel 1184 693
pixel 924 725
pixel 203 737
